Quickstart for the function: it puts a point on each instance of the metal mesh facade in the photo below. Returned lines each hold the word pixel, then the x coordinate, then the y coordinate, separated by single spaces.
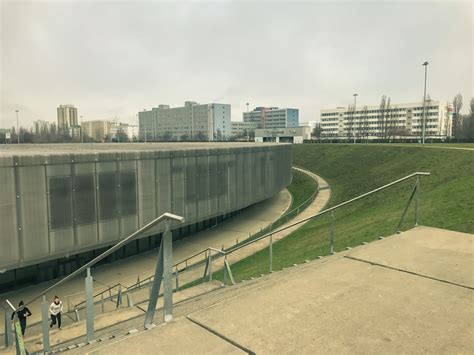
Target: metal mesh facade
pixel 58 204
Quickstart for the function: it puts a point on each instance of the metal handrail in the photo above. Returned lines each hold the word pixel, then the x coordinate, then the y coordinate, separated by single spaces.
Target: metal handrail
pixel 252 237
pixel 222 253
pixel 330 209
pixel 164 216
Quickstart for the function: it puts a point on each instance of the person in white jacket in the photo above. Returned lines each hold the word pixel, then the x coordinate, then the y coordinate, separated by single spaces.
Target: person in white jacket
pixel 55 310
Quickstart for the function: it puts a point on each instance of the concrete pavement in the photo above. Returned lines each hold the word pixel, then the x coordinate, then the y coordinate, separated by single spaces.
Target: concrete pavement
pixel 389 301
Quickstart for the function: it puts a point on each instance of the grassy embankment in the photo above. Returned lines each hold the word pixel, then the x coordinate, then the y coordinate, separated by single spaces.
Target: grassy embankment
pixel 446 198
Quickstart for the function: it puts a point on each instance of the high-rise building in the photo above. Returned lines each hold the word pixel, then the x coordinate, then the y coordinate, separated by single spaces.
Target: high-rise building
pixel 273 117
pixel 67 116
pixel 193 121
pixel 398 120
pixel 97 129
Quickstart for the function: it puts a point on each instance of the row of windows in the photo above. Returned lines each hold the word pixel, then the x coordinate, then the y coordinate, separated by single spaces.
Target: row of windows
pixel 328 114
pixel 377 116
pixel 374 128
pixel 116 195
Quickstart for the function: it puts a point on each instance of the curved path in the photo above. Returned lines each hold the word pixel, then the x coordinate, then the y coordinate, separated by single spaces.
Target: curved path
pixel 316 206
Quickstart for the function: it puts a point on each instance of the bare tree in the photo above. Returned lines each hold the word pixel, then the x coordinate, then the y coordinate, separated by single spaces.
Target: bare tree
pixel 350 121
pixel 467 129
pixel 457 118
pixel 364 123
pixel 381 121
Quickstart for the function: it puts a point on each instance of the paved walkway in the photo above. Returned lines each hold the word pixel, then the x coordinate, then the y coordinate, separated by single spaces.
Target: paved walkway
pixel 126 271
pixel 408 293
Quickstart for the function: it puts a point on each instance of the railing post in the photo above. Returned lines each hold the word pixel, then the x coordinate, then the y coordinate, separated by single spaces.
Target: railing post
pixel 225 269
pixel 210 265
pixel 76 312
pixel 45 325
pixel 102 301
pixel 331 234
pixel 119 297
pixel 412 195
pixel 89 306
pixel 8 328
pixel 416 199
pixel 270 252
pixel 167 272
pixel 177 279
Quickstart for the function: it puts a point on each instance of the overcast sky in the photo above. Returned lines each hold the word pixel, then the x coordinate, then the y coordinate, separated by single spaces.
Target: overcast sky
pixel 112 59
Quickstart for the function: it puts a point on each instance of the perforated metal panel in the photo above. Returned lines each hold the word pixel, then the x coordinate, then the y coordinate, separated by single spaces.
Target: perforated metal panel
pixel 60 202
pixel 84 199
pixel 128 193
pixel 107 195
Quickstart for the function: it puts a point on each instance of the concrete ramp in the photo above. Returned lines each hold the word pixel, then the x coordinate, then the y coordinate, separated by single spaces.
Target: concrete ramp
pixel 432 252
pixel 408 293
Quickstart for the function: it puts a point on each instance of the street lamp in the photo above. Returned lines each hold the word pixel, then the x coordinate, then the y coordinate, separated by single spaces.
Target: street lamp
pixel 425 64
pixel 355 110
pixel 17 128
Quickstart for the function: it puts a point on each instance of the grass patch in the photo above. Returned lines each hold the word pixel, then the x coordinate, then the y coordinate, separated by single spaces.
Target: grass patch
pixel 446 199
pixel 301 188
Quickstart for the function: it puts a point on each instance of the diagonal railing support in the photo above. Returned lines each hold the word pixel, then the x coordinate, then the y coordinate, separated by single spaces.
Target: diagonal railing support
pixel 413 193
pixel 163 272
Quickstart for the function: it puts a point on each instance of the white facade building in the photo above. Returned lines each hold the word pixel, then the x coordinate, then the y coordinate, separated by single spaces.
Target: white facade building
pixel 398 120
pixel 243 129
pixel 288 135
pixel 193 121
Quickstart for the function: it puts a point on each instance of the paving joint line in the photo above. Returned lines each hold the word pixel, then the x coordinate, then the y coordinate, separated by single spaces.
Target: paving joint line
pixel 409 272
pixel 222 336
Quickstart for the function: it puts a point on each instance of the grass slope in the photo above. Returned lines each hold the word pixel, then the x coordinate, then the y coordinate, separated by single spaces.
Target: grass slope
pixel 302 186
pixel 446 198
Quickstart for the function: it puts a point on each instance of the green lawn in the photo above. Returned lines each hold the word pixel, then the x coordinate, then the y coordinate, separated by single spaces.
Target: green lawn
pixel 302 186
pixel 446 199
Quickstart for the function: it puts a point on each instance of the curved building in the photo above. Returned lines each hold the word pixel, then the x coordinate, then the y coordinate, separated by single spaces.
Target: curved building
pixel 61 205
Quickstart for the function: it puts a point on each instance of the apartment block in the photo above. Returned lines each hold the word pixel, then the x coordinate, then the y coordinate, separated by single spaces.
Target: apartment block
pixel 398 120
pixel 193 121
pixel 273 117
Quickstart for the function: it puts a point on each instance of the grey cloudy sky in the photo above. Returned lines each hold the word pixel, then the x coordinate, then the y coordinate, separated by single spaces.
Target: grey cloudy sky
pixel 116 58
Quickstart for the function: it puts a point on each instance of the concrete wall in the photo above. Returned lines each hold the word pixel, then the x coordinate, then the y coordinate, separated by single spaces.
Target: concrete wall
pixel 56 205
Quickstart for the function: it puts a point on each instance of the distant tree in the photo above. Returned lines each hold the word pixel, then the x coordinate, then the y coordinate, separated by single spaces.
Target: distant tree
pixel 467 130
pixel 201 136
pixel 350 121
pixel 122 135
pixel 381 121
pixel 184 137
pixel 218 136
pixel 457 118
pixel 365 123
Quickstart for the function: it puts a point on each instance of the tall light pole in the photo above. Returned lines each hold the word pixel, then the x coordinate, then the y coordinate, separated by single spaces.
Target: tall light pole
pixel 17 128
pixel 355 110
pixel 248 133
pixel 82 134
pixel 423 129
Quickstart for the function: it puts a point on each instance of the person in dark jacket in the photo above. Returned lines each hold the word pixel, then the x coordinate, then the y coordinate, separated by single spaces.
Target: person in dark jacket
pixel 22 313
